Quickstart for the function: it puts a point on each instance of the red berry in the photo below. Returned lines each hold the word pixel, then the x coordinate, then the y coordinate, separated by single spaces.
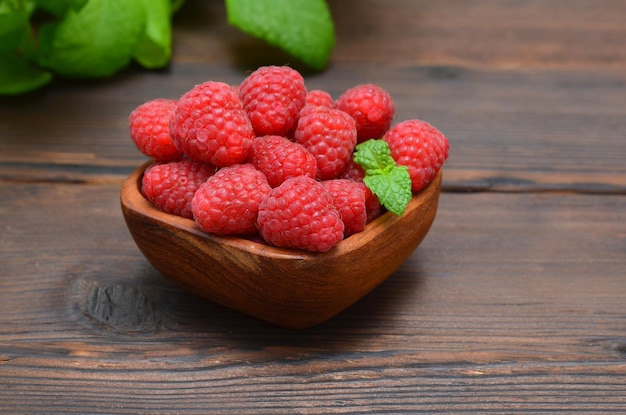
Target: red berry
pixel 316 98
pixel 210 124
pixel 279 159
pixel 330 135
pixel 170 186
pixel 228 202
pixel 355 173
pixel 319 98
pixel 372 205
pixel 273 96
pixel 300 214
pixel 150 131
pixel 352 171
pixel 349 197
pixel 371 107
pixel 419 146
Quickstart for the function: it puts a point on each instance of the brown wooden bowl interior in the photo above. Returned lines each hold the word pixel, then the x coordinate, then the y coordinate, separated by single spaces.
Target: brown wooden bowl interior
pixel 287 287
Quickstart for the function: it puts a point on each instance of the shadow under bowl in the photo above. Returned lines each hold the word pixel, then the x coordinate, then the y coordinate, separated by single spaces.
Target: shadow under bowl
pixel 287 287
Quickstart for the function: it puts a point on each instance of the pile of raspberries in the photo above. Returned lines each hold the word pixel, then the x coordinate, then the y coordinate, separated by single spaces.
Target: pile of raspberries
pixel 270 159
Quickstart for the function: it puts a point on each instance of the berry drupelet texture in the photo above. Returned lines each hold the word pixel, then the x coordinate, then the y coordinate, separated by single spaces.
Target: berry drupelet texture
pixel 330 135
pixel 170 186
pixel 280 159
pixel 372 108
pixel 300 214
pixel 419 146
pixel 228 202
pixel 272 97
pixel 150 131
pixel 349 197
pixel 209 124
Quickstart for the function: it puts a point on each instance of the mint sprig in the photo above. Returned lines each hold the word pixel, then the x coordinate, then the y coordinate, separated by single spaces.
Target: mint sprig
pixel 384 177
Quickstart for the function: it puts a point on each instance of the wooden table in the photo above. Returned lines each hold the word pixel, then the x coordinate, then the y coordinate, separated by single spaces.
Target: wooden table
pixel 514 303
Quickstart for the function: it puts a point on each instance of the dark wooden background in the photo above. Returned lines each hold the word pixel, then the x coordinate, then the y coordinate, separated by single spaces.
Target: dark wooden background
pixel 514 303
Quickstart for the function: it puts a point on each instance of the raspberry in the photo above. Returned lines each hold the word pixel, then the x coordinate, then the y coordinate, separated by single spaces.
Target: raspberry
pixel 273 96
pixel 352 171
pixel 170 186
pixel 279 159
pixel 371 107
pixel 210 124
pixel 349 197
pixel 300 214
pixel 355 173
pixel 419 146
pixel 330 135
pixel 228 202
pixel 150 131
pixel 316 98
pixel 319 98
pixel 372 205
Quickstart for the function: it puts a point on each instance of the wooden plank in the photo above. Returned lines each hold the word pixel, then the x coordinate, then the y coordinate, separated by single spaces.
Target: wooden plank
pixel 484 33
pixel 513 302
pixel 509 130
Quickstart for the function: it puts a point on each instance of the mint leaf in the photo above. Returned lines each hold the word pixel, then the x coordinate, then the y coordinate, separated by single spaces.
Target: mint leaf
pixel 60 7
pixel 393 188
pixel 13 14
pixel 15 33
pixel 390 182
pixel 302 28
pixel 154 48
pixel 17 75
pixel 176 4
pixel 94 42
pixel 374 156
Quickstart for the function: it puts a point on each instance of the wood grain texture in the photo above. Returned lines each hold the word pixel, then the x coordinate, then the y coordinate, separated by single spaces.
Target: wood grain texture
pixel 513 303
pixel 474 321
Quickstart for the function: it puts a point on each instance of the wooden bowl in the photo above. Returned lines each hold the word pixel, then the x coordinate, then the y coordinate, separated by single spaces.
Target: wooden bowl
pixel 290 288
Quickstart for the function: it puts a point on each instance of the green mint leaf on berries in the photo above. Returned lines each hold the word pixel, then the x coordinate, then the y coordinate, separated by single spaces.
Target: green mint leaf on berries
pixel 302 28
pixel 390 182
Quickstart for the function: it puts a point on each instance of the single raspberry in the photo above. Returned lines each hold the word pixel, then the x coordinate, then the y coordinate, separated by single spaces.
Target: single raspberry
pixel 372 205
pixel 279 159
pixel 150 131
pixel 228 202
pixel 330 135
pixel 273 96
pixel 316 98
pixel 371 107
pixel 210 124
pixel 355 173
pixel 170 186
pixel 352 171
pixel 349 197
pixel 300 214
pixel 319 98
pixel 419 146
